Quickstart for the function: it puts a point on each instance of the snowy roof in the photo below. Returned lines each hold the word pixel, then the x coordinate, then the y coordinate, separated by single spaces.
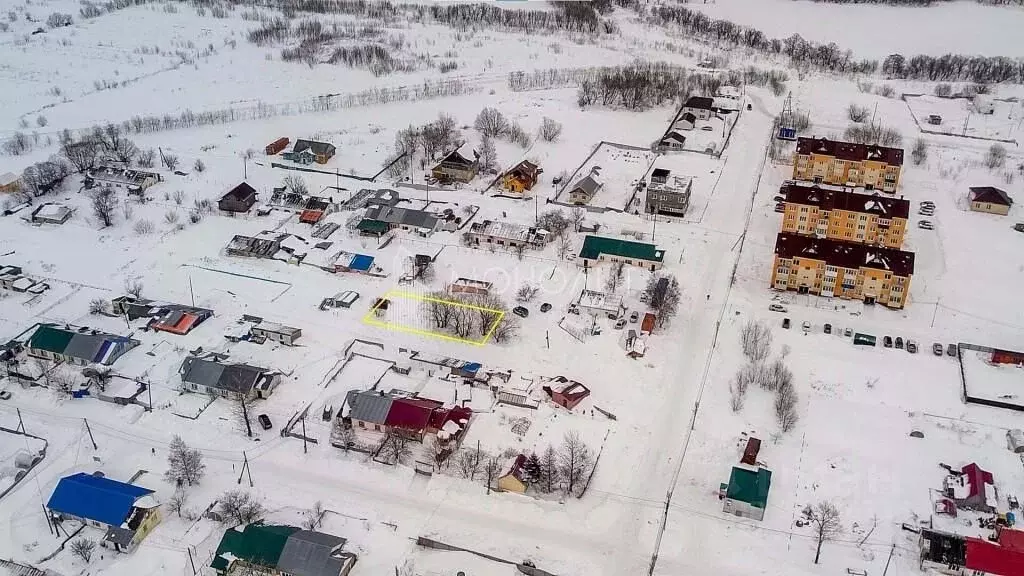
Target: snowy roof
pixel 588 185
pixel 844 254
pixel 849 151
pixel 600 300
pixel 990 195
pixel 828 200
pixel 22 283
pixel 121 175
pixel 505 230
pixel 8 178
pixel 277 328
pixel 51 210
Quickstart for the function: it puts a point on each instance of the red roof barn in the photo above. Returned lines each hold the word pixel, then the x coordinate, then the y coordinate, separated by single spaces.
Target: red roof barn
pixel 566 393
pixel 993 559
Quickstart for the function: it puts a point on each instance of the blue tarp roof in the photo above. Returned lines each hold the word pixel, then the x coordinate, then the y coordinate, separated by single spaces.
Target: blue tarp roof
pixel 361 262
pixel 471 367
pixel 95 498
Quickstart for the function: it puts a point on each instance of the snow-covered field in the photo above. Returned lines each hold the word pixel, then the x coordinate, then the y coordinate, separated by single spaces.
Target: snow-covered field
pixel 937 29
pixel 672 435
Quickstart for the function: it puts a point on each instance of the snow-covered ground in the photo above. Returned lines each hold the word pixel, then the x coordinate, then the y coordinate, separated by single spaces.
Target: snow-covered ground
pixel 877 30
pixel 673 437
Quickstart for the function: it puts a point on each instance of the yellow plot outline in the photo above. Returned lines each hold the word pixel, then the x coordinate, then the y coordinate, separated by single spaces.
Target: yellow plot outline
pixel 370 317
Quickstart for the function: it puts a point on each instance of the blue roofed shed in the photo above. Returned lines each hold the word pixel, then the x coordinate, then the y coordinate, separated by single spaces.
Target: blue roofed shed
pixel 95 498
pixel 361 262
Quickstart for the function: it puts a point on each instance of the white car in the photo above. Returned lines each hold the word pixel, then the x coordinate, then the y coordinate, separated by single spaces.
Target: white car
pixel 925 225
pixel 777 308
pixel 806 326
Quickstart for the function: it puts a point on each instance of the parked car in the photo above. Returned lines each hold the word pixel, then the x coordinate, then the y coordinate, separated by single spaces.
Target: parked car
pixel 779 199
pixel 926 211
pixel 828 328
pixel 926 225
pixel 951 349
pixel 523 312
pixel 707 128
pixel 887 341
pixel 634 317
pixel 5 395
pixel 749 106
pixel 265 421
pixel 899 342
pixel 911 346
pixel 545 307
pixel 785 323
pixel 620 323
pixel 806 326
pixel 328 413
pixel 777 308
pixel 927 203
pixel 1019 227
pixel 848 332
pixel 937 349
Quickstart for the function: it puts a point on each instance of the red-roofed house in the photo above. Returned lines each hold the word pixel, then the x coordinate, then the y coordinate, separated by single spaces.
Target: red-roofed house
pixel 1012 539
pixel 977 482
pixel 410 416
pixel 566 393
pixel 984 557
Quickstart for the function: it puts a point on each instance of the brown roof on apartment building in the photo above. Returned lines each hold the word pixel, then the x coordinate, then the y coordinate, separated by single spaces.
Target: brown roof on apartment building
pixel 829 200
pixel 844 254
pixel 849 150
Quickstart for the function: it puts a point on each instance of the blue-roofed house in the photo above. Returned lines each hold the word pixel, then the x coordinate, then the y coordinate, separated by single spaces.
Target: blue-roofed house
pixel 127 512
pixel 361 263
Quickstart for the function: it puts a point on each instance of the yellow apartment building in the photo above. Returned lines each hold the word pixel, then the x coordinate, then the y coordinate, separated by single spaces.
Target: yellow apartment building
pixel 852 217
pixel 846 164
pixel 848 270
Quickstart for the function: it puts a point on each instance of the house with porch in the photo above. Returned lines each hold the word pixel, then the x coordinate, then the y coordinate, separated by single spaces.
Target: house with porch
pixel 125 512
pixel 278 550
pixel 233 381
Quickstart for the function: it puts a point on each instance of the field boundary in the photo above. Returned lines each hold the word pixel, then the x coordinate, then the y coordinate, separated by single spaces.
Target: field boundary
pixel 371 319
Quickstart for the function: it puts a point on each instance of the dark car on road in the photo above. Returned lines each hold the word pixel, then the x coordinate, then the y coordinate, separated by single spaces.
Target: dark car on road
pixel 937 349
pixel 520 311
pixel 545 307
pixel 265 421
pixel 951 350
pixel 887 341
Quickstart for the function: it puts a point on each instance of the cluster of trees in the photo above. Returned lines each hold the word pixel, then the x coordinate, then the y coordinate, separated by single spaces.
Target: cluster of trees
pixel 756 342
pixel 873 134
pixel 919 154
pixel 564 468
pixel 557 224
pixel 662 297
pixel 373 57
pixel 955 67
pixel 185 468
pixel 238 507
pixel 801 52
pixel 491 123
pixel 466 315
pixel 20 143
pixel 425 142
pixel 59 20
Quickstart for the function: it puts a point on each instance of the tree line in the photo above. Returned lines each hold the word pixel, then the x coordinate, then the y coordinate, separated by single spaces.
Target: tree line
pixel 955 67
pixel 564 468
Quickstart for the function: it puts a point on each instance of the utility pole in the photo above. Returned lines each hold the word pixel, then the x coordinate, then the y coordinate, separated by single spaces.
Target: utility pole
pixel 190 560
pixel 21 423
pixel 89 430
pixel 891 550
pixel 149 388
pixel 245 416
pixel 305 450
pixel 245 470
pixel 547 336
pixel 337 179
pixel 536 211
pixel 126 321
pixel 966 118
pixel 190 291
pixel 245 168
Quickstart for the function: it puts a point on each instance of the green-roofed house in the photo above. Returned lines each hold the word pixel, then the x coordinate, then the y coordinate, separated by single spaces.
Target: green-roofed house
pixel 368 227
pixel 257 546
pixel 601 249
pixel 281 551
pixel 80 346
pixel 746 494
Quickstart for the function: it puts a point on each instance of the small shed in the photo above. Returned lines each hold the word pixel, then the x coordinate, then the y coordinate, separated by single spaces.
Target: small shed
pixel 1015 441
pixel 647 326
pixel 276 146
pixel 750 452
pixel 515 477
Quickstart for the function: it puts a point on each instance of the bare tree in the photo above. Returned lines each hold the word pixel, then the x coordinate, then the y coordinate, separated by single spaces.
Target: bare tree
pixel 239 507
pixel 184 464
pixel 775 376
pixel 43 177
pixel 756 340
pixel 920 151
pixel 115 144
pixel 146 158
pixel 177 501
pixel 98 306
pixel 394 448
pixel 578 215
pixel 178 197
pixel 199 166
pixel 785 407
pixel 616 275
pixel 490 122
pixel 574 461
pixel 240 407
pixel 82 155
pixel 83 548
pixel 133 286
pixel 492 469
pixel 489 309
pixel 488 155
pixel 549 470
pixel 564 246
pixel 468 462
pixel 857 113
pixel 507 329
pixel 462 321
pixel 170 161
pixel 995 157
pixel 103 205
pixel 550 130
pixel 314 517
pixel 554 221
pixel 826 522
pixel 737 392
pixel 662 294
pixel 295 184
pixel 526 292
pixel 440 309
